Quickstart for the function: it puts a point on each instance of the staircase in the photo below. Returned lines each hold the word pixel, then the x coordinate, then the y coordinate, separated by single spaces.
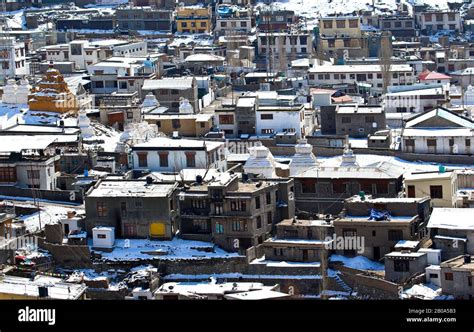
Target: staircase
pixel 342 284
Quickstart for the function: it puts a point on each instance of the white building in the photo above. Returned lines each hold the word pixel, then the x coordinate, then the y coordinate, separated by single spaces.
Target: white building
pixel 438 131
pixel 12 58
pixel 103 237
pixel 163 154
pixel 85 53
pixel 350 76
pixel 303 159
pixel 278 114
pixel 123 74
pixel 415 98
pixel 261 162
pixel 16 94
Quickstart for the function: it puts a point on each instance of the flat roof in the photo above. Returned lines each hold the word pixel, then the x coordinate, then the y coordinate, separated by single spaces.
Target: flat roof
pixel 178 83
pixel 165 143
pixel 57 288
pixel 452 218
pixel 130 188
pixel 363 69
pixel 428 176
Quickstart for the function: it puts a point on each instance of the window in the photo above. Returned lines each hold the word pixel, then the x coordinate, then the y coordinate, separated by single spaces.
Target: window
pixel 436 192
pixel 410 142
pixel 257 202
pixel 219 228
pixel 223 24
pixel 266 116
pixel 142 159
pixel 374 233
pixel 239 226
pixel 163 159
pixel 204 24
pixel 268 131
pixel 226 119
pixel 331 43
pixel 308 186
pixel 431 142
pixel 190 159
pixel 243 24
pixel 7 174
pixel 369 119
pixel 448 276
pixel 347 43
pixel 327 24
pixel 395 234
pixel 269 218
pixel 259 222
pixel 101 236
pixel 238 206
pixel 411 191
pixel 349 232
pixel 401 265
pixel 353 23
pixel 269 198
pixel 346 119
pixel 341 24
pixel 398 24
pixel 184 24
pixel 428 18
pixel 468 142
pixel 33 174
pixel 101 209
pixel 198 203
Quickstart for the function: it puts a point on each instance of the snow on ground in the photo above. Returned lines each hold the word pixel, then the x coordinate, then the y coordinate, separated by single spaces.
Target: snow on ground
pixel 269 263
pixel 311 10
pixel 108 135
pixel 236 275
pixel 11 115
pixel 49 214
pixel 358 262
pixel 423 292
pixel 163 250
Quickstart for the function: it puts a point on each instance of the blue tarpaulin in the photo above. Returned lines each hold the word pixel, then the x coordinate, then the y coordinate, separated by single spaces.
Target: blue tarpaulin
pixel 377 215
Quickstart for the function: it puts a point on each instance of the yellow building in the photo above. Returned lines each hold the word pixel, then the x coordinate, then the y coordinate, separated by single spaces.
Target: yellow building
pixel 340 33
pixel 52 94
pixel 187 125
pixel 194 19
pixel 441 187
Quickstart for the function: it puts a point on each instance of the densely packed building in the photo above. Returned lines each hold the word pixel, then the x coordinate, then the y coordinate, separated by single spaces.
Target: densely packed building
pixel 324 155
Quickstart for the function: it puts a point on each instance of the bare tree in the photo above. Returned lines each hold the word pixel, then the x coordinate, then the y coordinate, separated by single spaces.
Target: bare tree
pixel 385 55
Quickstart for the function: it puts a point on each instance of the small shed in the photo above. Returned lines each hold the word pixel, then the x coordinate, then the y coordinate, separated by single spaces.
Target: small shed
pixel 103 237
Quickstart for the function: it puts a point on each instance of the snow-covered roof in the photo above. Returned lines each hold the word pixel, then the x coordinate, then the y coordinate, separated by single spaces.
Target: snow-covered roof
pixel 452 218
pixel 397 254
pixel 18 143
pixel 204 57
pixel 178 83
pixel 428 176
pixel 131 189
pixel 57 288
pixel 382 170
pixel 359 69
pixel 165 143
pixel 457 120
